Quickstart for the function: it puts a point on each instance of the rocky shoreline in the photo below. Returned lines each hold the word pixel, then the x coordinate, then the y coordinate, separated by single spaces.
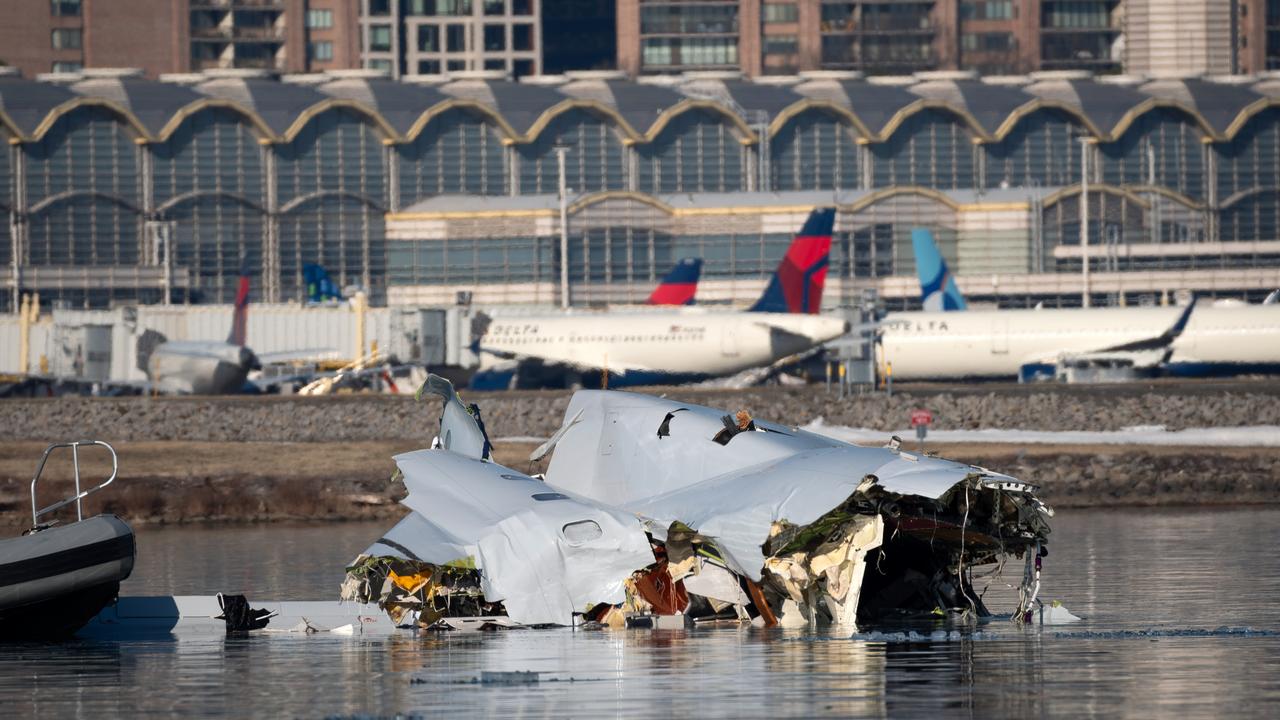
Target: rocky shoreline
pixel 538 414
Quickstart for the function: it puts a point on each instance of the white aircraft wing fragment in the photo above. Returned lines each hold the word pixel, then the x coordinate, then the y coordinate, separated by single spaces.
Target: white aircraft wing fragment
pixel 545 554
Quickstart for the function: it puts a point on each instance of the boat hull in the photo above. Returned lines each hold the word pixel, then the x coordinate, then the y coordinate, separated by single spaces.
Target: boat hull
pixel 53 581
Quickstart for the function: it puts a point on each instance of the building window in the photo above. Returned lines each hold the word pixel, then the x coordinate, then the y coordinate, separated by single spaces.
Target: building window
pixel 379 65
pixel 495 7
pixel 67 67
pixel 690 51
pixel 521 37
pixel 780 13
pixel 455 38
pixel 436 8
pixel 380 38
pixel 456 65
pixel 429 38
pixel 987 10
pixel 521 7
pixel 523 68
pixel 495 37
pixel 64 8
pixel 498 64
pixel 1074 15
pixel 322 50
pixel 781 44
pixel 319 18
pixel 987 42
pixel 66 39
pixel 672 19
pixel 380 8
pixel 428 67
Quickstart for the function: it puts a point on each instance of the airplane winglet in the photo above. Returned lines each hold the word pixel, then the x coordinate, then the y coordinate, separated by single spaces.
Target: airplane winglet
pixel 1164 339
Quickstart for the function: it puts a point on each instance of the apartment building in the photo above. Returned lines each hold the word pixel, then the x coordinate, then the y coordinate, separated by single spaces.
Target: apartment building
pixel 890 37
pixel 176 36
pixel 433 37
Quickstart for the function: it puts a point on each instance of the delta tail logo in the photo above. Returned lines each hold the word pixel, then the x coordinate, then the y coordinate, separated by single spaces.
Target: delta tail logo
pixel 938 289
pixel 680 285
pixel 796 286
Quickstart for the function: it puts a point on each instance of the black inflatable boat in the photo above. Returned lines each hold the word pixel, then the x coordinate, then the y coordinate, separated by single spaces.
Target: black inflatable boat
pixel 54 578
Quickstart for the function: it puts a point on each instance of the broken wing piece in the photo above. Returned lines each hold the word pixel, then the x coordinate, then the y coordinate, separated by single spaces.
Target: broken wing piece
pixel 460 430
pixel 543 553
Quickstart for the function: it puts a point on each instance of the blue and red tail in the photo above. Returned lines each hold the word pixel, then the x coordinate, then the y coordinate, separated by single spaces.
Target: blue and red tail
pixel 679 285
pixel 240 316
pixel 796 286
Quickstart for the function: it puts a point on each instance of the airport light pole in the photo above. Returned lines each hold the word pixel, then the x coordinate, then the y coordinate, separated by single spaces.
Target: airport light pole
pixel 561 149
pixel 1084 219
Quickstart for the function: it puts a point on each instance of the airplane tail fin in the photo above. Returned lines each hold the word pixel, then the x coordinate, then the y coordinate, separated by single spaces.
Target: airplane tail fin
pixel 320 287
pixel 147 342
pixel 796 286
pixel 938 289
pixel 1273 298
pixel 240 317
pixel 679 285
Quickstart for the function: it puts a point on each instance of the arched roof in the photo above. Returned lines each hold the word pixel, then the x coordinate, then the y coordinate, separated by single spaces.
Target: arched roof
pixel 1218 104
pixel 1102 105
pixel 639 105
pixel 152 103
pixel 521 105
pixel 400 104
pixel 25 103
pixel 874 105
pixel 1130 194
pixel 277 104
pixel 874 109
pixel 987 105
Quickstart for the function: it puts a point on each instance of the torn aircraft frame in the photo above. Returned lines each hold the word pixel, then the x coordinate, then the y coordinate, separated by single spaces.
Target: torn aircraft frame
pixel 647 508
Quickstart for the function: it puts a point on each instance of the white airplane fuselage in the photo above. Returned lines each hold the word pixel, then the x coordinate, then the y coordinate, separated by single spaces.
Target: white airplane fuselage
pixel 996 343
pixel 195 367
pixel 641 348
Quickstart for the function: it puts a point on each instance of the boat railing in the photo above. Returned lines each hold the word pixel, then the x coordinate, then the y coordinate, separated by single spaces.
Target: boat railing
pixel 75 462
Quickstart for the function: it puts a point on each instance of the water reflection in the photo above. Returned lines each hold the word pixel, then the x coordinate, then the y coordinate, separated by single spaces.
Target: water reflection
pixel 1122 570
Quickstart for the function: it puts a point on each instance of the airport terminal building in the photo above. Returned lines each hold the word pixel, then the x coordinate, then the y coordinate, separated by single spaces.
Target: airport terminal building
pixel 117 189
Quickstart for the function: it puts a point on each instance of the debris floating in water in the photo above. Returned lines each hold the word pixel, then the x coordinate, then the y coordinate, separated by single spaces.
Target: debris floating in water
pixel 660 514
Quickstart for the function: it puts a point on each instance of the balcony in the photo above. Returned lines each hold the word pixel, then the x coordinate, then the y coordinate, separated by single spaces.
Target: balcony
pixel 251 33
pixel 234 4
pixel 887 26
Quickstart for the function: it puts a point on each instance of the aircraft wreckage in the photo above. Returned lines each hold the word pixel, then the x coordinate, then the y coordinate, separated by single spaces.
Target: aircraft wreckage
pixel 659 513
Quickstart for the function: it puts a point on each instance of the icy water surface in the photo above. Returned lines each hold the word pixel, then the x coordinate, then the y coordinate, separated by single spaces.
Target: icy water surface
pixel 1142 579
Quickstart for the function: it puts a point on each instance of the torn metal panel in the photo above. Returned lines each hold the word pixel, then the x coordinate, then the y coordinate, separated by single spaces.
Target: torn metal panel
pixel 614 453
pixel 461 429
pixel 543 553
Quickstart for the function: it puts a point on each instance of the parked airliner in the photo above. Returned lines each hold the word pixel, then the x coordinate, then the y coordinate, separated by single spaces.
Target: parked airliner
pixel 640 348
pixel 1243 339
pixel 208 367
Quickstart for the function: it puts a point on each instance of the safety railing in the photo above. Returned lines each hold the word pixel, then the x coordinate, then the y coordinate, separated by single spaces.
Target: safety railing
pixel 75 461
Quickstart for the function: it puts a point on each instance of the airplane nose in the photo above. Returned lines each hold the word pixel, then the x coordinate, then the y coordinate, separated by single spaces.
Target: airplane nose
pixel 248 360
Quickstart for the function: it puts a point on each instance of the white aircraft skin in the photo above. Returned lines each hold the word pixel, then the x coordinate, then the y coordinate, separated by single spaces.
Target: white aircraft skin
pixel 996 343
pixel 653 347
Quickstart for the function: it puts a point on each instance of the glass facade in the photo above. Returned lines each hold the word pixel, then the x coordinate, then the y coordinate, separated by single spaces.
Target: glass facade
pixel 93 190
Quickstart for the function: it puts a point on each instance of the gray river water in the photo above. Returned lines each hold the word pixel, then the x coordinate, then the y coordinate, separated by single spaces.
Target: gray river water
pixel 1180 616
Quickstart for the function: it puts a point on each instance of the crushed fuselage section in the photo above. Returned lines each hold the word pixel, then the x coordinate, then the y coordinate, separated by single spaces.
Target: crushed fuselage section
pixel 660 513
